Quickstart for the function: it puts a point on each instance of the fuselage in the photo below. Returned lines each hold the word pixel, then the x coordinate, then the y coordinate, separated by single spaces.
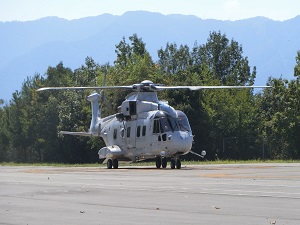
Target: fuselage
pixel 145 128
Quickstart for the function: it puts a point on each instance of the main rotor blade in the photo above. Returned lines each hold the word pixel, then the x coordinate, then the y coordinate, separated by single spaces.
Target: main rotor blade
pixel 155 87
pixel 194 88
pixel 84 88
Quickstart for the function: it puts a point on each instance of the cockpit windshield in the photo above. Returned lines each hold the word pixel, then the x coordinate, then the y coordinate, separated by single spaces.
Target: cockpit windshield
pixel 163 122
pixel 169 124
pixel 183 122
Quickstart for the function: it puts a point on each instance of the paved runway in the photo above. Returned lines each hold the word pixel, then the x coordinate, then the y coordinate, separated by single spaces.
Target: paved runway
pixel 253 194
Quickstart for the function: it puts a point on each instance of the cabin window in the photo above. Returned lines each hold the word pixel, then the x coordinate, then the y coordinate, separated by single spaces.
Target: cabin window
pixel 122 132
pixel 144 131
pixel 128 131
pixel 115 133
pixel 138 131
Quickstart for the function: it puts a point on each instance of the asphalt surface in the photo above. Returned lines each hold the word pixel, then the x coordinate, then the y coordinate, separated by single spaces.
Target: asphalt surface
pixel 251 194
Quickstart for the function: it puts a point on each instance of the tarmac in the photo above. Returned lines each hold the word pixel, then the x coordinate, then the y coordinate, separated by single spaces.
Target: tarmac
pixel 253 194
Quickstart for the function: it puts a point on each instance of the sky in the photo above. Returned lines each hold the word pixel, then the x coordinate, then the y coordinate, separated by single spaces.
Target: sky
pixel 27 10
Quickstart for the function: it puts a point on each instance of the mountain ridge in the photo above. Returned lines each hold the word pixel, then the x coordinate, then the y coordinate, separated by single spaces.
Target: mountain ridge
pixel 30 47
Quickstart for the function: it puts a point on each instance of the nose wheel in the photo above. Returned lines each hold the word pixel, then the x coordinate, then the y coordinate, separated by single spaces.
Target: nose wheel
pixel 178 164
pixel 175 163
pixel 164 162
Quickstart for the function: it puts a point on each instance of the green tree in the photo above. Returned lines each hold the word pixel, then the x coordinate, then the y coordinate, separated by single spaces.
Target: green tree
pixel 237 121
pixel 4 138
pixel 173 59
pixel 225 59
pixel 215 115
pixel 281 121
pixel 133 65
pixel 297 66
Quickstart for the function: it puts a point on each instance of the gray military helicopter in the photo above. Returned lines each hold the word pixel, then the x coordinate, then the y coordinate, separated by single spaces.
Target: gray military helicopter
pixel 144 127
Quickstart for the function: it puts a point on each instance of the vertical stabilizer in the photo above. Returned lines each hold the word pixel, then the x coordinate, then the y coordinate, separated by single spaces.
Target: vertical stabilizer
pixel 96 113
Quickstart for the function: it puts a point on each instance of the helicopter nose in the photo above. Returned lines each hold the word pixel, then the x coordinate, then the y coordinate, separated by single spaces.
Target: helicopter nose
pixel 184 142
pixel 185 136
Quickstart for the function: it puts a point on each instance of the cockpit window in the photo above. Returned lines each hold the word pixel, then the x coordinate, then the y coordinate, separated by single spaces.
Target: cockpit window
pixel 183 121
pixel 165 124
pixel 174 123
pixel 157 126
pixel 184 124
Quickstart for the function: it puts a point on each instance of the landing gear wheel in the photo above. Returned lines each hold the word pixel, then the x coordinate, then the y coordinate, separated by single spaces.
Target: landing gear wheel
pixel 115 164
pixel 109 164
pixel 172 163
pixel 158 162
pixel 164 162
pixel 178 164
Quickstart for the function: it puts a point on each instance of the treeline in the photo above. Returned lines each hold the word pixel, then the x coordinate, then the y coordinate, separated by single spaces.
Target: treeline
pixel 231 124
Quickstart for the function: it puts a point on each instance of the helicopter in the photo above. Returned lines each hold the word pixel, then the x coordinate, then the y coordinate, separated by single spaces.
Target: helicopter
pixel 144 126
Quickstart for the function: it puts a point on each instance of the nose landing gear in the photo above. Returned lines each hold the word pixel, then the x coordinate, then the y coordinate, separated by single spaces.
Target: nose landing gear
pixel 175 163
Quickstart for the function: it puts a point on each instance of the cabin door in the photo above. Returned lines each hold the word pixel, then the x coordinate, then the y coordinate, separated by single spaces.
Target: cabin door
pixel 142 142
pixel 130 134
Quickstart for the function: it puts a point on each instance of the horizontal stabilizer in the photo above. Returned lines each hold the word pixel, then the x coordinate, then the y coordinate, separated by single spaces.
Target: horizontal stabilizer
pixel 87 134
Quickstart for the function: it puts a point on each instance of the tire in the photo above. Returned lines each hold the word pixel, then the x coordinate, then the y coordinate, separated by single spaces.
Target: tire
pixel 109 164
pixel 178 164
pixel 164 162
pixel 158 162
pixel 115 164
pixel 172 164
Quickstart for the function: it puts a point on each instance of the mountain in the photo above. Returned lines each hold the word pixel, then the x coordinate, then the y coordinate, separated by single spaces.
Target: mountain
pixel 30 47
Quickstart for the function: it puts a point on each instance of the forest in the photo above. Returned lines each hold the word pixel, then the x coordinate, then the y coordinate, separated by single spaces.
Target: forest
pixel 228 124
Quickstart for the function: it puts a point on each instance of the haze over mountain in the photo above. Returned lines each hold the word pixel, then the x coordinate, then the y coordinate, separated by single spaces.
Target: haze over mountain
pixel 30 47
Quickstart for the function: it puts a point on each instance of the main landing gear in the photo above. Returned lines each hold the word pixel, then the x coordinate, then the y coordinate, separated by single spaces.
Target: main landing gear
pixel 162 162
pixel 112 163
